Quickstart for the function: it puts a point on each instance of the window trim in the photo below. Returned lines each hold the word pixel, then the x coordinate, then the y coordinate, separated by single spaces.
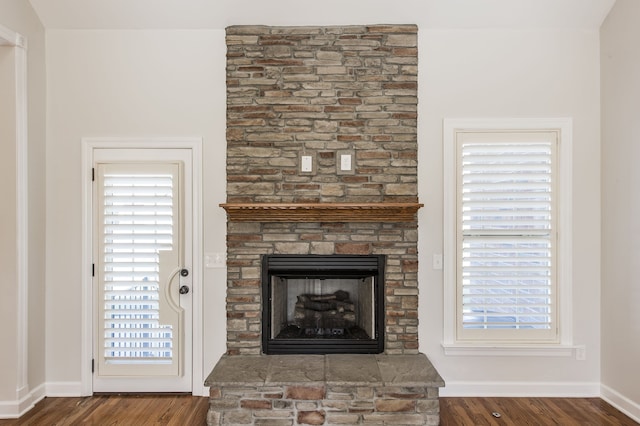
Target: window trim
pixel 564 344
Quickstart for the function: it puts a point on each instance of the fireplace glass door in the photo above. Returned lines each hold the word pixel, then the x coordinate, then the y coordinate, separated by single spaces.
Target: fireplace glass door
pixel 323 304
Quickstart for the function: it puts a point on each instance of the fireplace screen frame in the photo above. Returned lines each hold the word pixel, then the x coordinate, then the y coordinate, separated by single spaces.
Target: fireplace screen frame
pixel 323 267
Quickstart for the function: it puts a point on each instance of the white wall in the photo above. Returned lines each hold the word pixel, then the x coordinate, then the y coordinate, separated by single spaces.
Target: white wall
pixel 620 61
pixel 130 84
pixel 509 73
pixel 19 17
pixel 171 83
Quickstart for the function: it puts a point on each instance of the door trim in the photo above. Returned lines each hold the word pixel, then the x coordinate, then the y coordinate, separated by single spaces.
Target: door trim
pixel 88 147
pixel 18 44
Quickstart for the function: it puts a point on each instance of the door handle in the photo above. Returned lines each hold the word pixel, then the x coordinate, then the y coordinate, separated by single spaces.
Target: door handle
pixel 184 289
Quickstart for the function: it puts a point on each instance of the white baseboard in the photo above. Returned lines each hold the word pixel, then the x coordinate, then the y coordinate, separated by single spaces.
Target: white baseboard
pixel 68 389
pixel 74 389
pixel 200 390
pixel 521 389
pixel 621 402
pixel 15 409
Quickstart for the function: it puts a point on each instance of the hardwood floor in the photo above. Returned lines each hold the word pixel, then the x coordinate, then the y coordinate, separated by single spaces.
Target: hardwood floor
pixel 186 410
pixel 530 411
pixel 105 410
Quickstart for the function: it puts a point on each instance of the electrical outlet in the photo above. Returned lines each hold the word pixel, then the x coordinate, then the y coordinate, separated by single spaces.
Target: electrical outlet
pixel 581 353
pixel 437 261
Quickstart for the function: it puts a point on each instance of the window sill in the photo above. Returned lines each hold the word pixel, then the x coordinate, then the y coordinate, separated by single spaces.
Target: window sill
pixel 457 349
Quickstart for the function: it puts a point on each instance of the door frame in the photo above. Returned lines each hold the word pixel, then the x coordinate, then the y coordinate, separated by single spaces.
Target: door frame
pixel 88 146
pixel 19 46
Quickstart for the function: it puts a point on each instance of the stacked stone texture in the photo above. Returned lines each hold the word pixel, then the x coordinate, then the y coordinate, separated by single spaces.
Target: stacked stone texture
pixel 289 405
pixel 317 91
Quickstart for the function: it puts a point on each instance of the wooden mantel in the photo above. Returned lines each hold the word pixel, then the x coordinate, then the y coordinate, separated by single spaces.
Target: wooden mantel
pixel 321 212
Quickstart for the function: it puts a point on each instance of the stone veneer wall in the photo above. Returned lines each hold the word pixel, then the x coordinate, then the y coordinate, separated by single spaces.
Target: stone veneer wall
pixel 317 91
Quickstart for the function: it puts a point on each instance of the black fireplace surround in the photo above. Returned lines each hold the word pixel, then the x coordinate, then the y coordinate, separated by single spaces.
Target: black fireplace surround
pixel 323 304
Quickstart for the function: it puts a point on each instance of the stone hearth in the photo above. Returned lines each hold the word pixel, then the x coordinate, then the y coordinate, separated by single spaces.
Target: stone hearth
pixel 286 390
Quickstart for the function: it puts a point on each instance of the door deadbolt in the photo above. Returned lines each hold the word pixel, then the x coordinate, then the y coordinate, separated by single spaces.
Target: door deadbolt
pixel 184 272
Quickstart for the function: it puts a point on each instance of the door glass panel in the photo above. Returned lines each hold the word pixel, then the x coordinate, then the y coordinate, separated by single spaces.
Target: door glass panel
pixel 139 258
pixel 138 225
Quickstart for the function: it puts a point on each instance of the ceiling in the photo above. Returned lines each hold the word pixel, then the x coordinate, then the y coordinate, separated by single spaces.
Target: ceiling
pixel 218 14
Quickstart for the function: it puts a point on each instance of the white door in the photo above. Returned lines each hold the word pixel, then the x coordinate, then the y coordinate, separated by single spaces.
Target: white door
pixel 142 270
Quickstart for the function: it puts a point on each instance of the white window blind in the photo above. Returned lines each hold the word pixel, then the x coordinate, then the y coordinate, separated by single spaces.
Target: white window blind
pixel 506 231
pixel 138 224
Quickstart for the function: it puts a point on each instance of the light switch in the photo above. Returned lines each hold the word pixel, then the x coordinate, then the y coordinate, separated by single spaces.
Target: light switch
pixel 345 162
pixel 306 163
pixel 215 260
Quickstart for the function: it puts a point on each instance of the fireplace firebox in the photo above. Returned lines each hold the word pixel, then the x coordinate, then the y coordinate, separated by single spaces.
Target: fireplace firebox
pixel 323 304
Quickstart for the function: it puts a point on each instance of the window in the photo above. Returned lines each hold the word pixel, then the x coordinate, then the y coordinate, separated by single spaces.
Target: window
pixel 504 182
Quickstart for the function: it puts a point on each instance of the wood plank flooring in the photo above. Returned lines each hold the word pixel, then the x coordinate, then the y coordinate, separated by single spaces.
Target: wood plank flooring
pixel 186 410
pixel 530 411
pixel 106 410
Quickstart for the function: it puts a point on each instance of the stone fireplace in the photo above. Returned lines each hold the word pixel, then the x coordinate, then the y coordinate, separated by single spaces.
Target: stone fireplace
pixel 322 165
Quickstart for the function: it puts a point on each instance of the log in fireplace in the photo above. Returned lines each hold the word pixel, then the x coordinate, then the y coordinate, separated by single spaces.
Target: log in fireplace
pixel 323 304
